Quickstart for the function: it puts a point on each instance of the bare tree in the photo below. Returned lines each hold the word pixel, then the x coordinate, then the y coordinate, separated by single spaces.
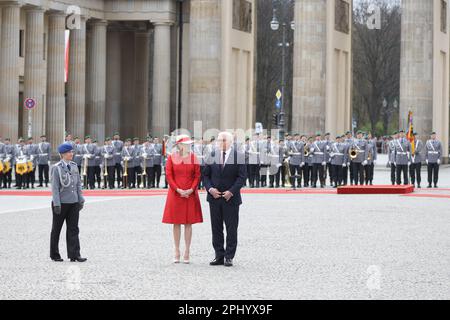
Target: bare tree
pixel 376 63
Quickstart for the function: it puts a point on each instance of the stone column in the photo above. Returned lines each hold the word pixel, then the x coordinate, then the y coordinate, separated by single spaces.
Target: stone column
pixel 76 89
pixel 97 71
pixel 142 42
pixel 55 113
pixel 205 64
pixel 310 54
pixel 416 69
pixel 34 70
pixel 9 71
pixel 113 85
pixel 161 83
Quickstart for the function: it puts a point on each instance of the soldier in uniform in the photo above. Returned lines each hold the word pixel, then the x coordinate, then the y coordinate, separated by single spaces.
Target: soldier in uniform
pixel 89 152
pixel 98 163
pixel 327 170
pixel 348 171
pixel 254 162
pixel 265 146
pixel 372 159
pixel 338 159
pixel 69 139
pixel 118 145
pixel 44 152
pixel 295 148
pixel 32 155
pixel 158 162
pixel 2 157
pixel 199 150
pixel 416 161
pixel 433 157
pixel 281 172
pixel 402 158
pixel 137 163
pixel 78 153
pixel 107 154
pixel 391 157
pixel 361 159
pixel 8 156
pixel 317 149
pixel 148 155
pixel 128 163
pixel 67 202
pixel 20 156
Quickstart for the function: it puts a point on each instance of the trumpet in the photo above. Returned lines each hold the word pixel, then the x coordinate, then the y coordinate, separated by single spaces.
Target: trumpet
pixel 144 169
pixel 125 173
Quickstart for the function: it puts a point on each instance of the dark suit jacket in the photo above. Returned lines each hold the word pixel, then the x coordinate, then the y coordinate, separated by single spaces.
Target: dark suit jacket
pixel 231 178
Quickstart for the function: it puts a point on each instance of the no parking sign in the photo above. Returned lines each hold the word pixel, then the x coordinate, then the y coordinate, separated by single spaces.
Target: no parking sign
pixel 30 103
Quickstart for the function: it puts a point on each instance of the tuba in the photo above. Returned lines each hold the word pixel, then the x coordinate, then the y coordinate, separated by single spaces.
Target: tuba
pixel 306 152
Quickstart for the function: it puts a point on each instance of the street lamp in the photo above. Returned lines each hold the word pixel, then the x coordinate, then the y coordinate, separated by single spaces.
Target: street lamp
pixel 275 26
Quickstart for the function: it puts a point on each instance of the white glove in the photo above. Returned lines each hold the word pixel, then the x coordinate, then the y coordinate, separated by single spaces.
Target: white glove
pixel 324 163
pixel 409 163
pixel 49 163
pixel 427 161
pixel 364 163
pixel 374 162
pixel 348 164
pixel 395 163
pixel 389 163
pixel 439 161
pixel 344 165
pixel 302 164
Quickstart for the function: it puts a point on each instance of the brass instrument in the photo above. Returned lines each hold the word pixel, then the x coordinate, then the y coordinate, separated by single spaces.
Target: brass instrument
pixel 306 152
pixel 6 166
pixel 287 173
pixel 105 173
pixel 125 173
pixel 369 157
pixel 1 166
pixel 353 153
pixel 21 167
pixel 85 171
pixel 144 173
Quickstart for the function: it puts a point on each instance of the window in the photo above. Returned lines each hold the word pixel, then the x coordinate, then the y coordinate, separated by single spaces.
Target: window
pixel 444 16
pixel 342 16
pixel 21 43
pixel 242 15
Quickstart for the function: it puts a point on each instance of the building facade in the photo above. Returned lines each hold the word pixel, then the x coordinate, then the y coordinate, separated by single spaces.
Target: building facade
pixel 138 67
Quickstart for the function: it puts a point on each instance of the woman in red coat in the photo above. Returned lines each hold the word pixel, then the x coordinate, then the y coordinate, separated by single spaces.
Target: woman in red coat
pixel 183 203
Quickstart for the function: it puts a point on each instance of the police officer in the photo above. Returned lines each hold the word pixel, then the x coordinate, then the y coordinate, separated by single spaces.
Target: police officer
pixel 402 158
pixel 416 161
pixel 43 160
pixel 338 159
pixel 433 158
pixel 317 149
pixel 118 145
pixel 67 203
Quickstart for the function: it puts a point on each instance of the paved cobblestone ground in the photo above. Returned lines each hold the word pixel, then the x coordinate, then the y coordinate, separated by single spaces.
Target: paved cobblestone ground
pixel 290 247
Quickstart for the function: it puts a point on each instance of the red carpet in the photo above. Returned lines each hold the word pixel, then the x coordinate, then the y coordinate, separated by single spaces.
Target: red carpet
pixel 376 189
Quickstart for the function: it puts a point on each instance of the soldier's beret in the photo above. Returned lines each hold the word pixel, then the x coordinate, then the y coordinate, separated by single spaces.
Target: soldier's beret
pixel 8 139
pixel 128 140
pixel 77 138
pixel 135 138
pixel 94 141
pixel 433 132
pixel 348 132
pixel 64 148
pixel 108 139
pixel 402 131
pixel 415 134
pixel 116 134
pixel 327 134
pixel 395 132
pixel 30 138
pixel 359 132
pixel 318 134
pixel 43 136
pixel 87 137
pixel 21 139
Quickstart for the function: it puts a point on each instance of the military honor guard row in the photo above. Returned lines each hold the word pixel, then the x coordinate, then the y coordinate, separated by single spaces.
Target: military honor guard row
pixel 296 161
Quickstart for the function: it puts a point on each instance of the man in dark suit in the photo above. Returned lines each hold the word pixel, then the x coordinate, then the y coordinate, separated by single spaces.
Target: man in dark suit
pixel 223 178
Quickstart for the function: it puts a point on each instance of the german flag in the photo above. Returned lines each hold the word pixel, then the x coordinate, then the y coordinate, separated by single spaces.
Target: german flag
pixel 410 134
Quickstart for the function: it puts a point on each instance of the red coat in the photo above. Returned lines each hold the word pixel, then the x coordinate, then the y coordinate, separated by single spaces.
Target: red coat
pixel 182 173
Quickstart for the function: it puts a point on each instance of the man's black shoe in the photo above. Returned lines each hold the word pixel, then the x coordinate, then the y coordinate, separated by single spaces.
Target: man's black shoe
pixel 228 262
pixel 217 262
pixel 57 259
pixel 78 259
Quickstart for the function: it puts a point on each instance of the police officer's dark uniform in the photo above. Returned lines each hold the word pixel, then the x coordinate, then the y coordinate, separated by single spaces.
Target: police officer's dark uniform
pixel 66 205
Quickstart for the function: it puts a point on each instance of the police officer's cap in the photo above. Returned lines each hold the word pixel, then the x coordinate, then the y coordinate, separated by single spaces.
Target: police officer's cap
pixel 64 148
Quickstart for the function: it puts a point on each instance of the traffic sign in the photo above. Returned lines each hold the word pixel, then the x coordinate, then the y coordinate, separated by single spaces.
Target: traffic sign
pixel 278 104
pixel 30 103
pixel 279 95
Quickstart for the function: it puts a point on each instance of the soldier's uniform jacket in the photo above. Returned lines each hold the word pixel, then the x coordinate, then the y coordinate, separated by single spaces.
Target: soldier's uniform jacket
pixel 2 151
pixel 273 154
pixel 318 151
pixel 417 157
pixel 265 152
pixel 137 160
pixel 78 154
pixel 348 143
pixel 32 153
pixel 98 156
pixel 107 152
pixel 338 154
pixel 20 153
pixel 254 153
pixel 89 151
pixel 433 151
pixel 158 158
pixel 392 150
pixel 128 153
pixel 148 152
pixel 362 150
pixel 199 151
pixel 308 159
pixel 402 151
pixel 282 153
pixel 43 149
pixel 295 150
pixel 245 151
pixel 9 154
pixel 328 144
pixel 372 149
pixel 66 184
pixel 118 146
